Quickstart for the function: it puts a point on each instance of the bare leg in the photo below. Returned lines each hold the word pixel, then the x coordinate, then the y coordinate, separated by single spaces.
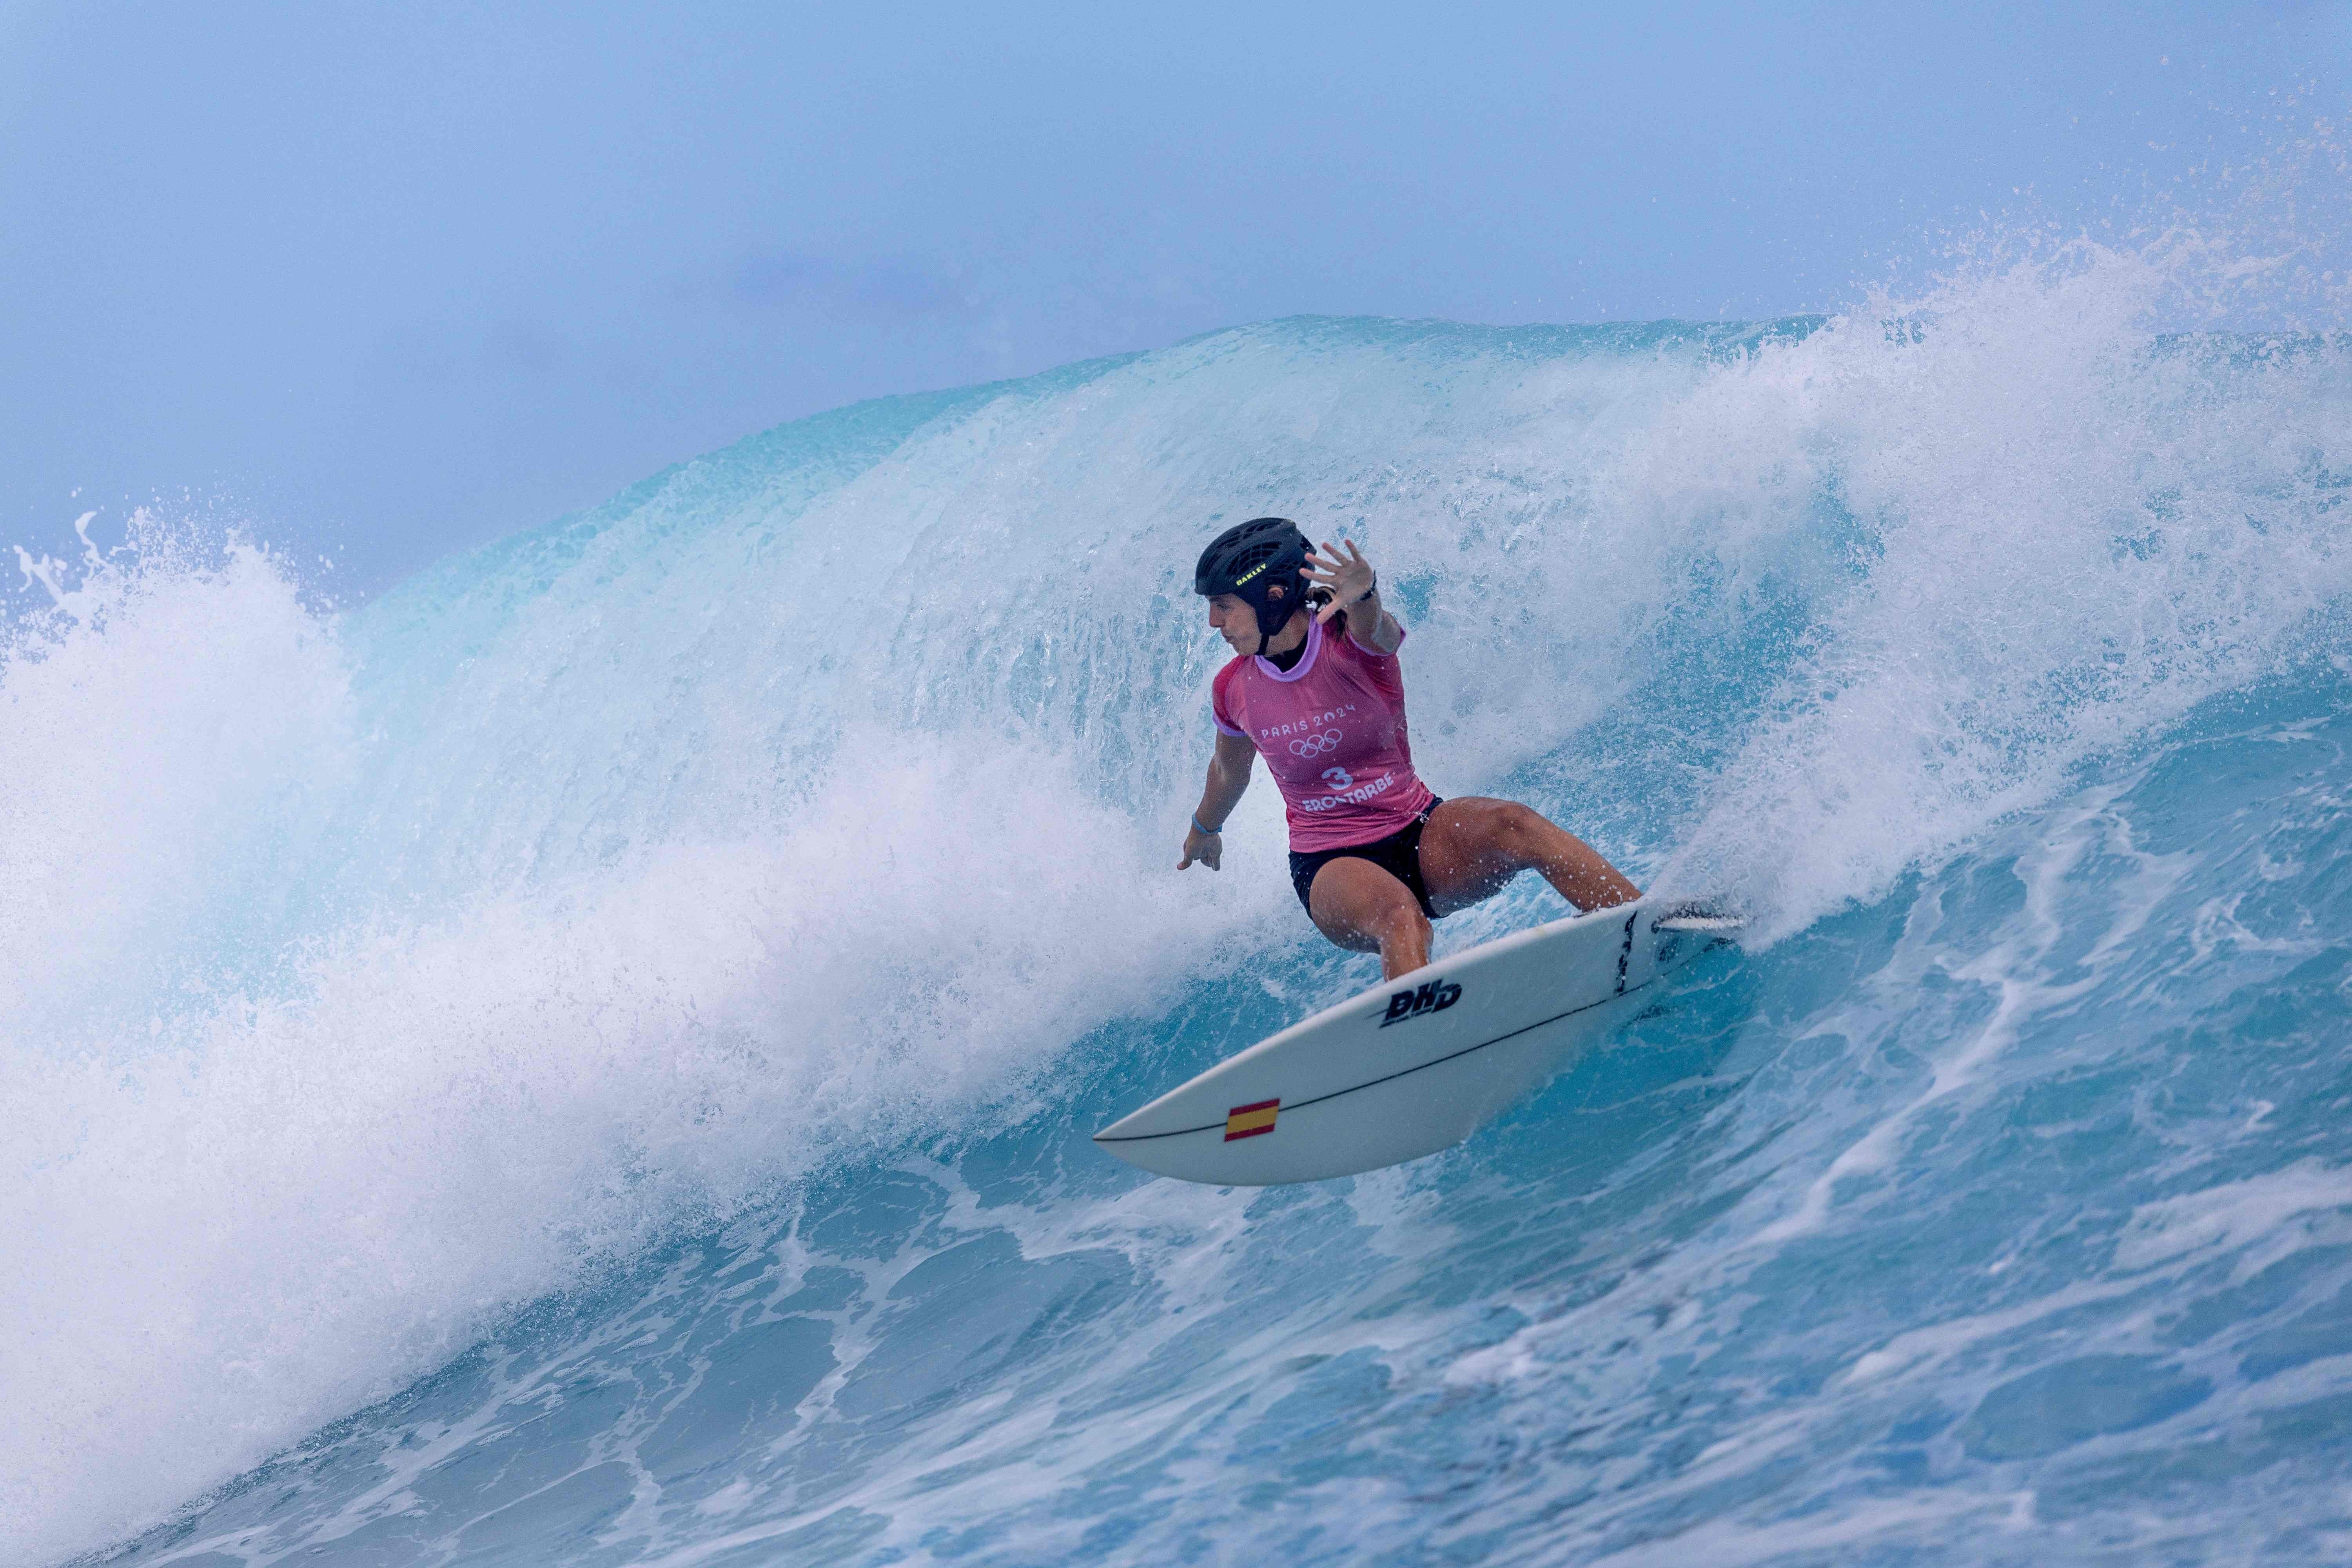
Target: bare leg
pixel 1474 845
pixel 1365 910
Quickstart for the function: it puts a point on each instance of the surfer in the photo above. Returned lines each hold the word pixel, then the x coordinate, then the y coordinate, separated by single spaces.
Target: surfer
pixel 1315 685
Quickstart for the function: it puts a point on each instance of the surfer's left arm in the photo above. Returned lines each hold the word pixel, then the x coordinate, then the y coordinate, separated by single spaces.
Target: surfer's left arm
pixel 1355 589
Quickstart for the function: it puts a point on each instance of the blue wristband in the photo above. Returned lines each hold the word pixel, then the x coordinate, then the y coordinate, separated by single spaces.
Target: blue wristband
pixel 1212 832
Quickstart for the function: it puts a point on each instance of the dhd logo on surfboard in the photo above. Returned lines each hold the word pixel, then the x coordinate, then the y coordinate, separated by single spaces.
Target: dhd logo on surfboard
pixel 1434 996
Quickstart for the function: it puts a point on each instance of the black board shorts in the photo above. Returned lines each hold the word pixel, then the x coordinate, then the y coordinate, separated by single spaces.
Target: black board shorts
pixel 1399 854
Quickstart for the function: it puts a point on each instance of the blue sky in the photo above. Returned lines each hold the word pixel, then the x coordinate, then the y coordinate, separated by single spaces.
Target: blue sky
pixel 388 280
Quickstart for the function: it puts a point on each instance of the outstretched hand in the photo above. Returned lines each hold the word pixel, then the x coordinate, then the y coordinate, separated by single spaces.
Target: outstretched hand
pixel 1347 577
pixel 1208 848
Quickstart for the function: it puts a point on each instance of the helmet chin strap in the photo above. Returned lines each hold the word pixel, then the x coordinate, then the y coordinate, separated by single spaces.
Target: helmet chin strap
pixel 1265 638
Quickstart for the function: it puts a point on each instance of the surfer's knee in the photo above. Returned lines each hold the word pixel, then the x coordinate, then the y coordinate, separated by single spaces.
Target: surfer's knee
pixel 1403 934
pixel 1400 921
pixel 1516 837
pixel 1521 826
pixel 1363 909
pixel 1382 927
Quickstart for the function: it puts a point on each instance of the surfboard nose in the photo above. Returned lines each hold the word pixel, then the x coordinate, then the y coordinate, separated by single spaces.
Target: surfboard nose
pixel 1171 1114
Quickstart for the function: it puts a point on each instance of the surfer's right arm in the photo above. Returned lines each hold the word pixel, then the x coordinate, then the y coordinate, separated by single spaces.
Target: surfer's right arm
pixel 1229 774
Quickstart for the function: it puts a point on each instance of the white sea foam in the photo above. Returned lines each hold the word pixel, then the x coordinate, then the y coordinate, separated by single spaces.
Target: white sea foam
pixel 174 729
pixel 2231 1215
pixel 2065 537
pixel 307 1199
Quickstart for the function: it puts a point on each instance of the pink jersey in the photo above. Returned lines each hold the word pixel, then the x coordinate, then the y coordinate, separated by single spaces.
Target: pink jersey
pixel 1332 733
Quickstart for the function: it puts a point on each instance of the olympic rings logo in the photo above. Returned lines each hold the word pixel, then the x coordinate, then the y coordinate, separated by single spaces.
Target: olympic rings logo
pixel 1316 745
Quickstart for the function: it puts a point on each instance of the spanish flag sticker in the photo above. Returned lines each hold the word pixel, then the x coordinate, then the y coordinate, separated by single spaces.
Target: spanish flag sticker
pixel 1249 1120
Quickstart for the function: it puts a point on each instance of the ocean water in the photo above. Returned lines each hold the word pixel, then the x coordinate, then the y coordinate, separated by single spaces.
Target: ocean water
pixel 589 1057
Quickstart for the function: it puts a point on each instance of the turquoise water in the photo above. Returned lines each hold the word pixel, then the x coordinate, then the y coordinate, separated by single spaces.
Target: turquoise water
pixel 589 1057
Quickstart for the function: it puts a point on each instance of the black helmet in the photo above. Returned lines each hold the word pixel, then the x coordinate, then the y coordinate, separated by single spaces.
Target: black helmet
pixel 1263 563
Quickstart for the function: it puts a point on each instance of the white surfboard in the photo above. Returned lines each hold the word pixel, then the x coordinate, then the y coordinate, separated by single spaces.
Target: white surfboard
pixel 1420 1062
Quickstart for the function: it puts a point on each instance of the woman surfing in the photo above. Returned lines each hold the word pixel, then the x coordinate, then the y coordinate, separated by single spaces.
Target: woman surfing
pixel 1315 685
